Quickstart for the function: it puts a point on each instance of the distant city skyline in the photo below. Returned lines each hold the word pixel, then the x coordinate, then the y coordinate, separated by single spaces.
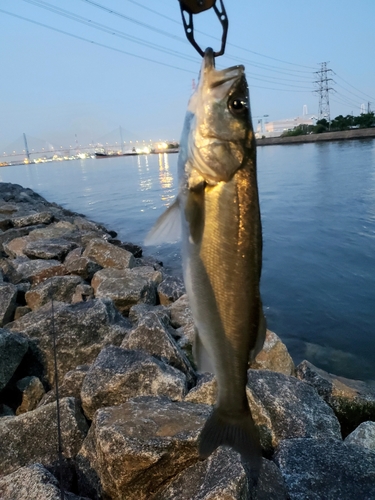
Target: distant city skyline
pixel 69 74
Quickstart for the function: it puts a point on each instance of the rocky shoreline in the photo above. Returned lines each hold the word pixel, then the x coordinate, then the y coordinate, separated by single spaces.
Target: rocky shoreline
pixel 131 401
pixel 343 135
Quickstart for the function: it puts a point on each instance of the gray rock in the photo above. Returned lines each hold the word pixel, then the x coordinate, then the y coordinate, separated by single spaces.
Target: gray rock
pixel 363 435
pixel 107 255
pixel 5 223
pixel 118 375
pixel 81 266
pixel 35 271
pixel 6 411
pixel 285 408
pixel 54 248
pixel 127 287
pixel 221 476
pixel 152 337
pixel 326 469
pixel 61 229
pixel 32 392
pixel 134 449
pixel 60 288
pixel 33 482
pixel 353 401
pixel 33 219
pixel 8 297
pixel 180 312
pixel 32 436
pixel 170 289
pixel 274 356
pixel 136 250
pixel 137 311
pixel 70 386
pixel 13 347
pixel 82 330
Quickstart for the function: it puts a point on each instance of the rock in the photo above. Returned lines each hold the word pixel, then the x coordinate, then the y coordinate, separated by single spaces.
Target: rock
pixel 127 287
pixel 32 436
pixel 32 392
pixel 70 386
pixel 82 330
pixel 285 408
pixel 151 336
pixel 33 482
pixel 8 297
pixel 326 469
pixel 54 248
pixel 134 449
pixel 137 311
pixel 21 311
pixel 353 401
pixel 83 293
pixel 14 248
pixel 81 266
pixel 61 288
pixel 61 229
pixel 118 375
pixel 35 271
pixel 32 219
pixel 13 233
pixel 13 347
pixel 221 476
pixel 5 223
pixel 170 289
pixel 180 312
pixel 107 255
pixel 274 356
pixel 271 485
pixel 185 336
pixel 363 435
pixel 136 250
pixel 205 391
pixel 6 411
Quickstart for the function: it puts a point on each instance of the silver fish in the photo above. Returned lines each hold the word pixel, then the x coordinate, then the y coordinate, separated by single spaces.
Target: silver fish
pixel 217 215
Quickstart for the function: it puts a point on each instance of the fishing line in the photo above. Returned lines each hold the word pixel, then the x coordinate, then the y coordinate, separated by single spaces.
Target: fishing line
pixel 59 437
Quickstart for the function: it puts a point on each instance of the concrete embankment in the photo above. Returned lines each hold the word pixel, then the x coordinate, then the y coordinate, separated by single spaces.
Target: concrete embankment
pixel 343 135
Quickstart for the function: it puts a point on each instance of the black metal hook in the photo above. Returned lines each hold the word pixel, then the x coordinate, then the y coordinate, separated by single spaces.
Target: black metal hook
pixel 195 7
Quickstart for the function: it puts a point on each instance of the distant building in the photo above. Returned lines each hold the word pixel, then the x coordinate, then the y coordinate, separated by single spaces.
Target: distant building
pixel 277 127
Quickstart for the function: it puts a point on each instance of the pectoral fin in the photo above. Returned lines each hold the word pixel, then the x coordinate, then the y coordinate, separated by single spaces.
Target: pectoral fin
pixel 167 228
pixel 194 212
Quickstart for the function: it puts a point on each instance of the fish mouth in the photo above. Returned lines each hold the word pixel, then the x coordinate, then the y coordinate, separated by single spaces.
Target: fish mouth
pixel 212 77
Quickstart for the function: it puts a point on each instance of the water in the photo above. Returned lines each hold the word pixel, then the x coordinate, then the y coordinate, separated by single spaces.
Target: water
pixel 318 214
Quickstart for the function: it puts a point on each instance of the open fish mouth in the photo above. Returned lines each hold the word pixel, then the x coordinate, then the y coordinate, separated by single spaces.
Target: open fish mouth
pixel 212 77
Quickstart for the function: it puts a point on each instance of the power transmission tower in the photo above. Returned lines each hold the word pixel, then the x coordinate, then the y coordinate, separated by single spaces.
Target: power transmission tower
pixel 323 91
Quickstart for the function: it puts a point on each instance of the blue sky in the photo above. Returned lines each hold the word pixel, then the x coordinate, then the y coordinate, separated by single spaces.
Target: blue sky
pixel 53 86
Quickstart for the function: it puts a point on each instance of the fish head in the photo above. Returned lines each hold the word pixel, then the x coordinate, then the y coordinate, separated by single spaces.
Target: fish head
pixel 221 134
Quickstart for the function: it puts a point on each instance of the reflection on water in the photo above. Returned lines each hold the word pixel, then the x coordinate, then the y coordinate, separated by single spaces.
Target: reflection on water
pixel 166 180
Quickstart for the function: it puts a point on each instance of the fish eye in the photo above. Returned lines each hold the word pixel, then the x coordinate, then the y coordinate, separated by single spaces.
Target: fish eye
pixel 237 105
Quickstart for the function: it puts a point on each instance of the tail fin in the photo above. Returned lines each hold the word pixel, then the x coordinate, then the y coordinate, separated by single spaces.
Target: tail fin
pixel 238 432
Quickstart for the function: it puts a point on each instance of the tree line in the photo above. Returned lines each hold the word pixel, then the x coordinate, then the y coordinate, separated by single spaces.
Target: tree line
pixel 364 120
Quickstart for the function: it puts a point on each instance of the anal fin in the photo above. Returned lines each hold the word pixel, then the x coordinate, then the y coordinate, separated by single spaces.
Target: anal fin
pixel 201 356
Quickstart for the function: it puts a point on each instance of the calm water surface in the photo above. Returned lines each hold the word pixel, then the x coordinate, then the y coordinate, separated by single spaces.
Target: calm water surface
pixel 318 213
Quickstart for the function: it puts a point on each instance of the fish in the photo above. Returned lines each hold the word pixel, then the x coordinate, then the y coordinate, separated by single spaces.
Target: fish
pixel 216 215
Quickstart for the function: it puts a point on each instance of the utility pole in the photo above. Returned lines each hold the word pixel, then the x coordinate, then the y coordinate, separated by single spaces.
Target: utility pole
pixel 26 148
pixel 323 91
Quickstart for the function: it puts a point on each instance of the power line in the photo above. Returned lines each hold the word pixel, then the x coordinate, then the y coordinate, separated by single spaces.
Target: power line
pixel 107 29
pixel 78 37
pixel 341 78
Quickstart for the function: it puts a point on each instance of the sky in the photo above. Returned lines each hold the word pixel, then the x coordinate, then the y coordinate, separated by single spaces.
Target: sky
pixel 137 71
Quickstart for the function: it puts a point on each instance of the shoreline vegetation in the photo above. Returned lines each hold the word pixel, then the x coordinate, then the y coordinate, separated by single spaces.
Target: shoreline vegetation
pixel 339 129
pixel 131 402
